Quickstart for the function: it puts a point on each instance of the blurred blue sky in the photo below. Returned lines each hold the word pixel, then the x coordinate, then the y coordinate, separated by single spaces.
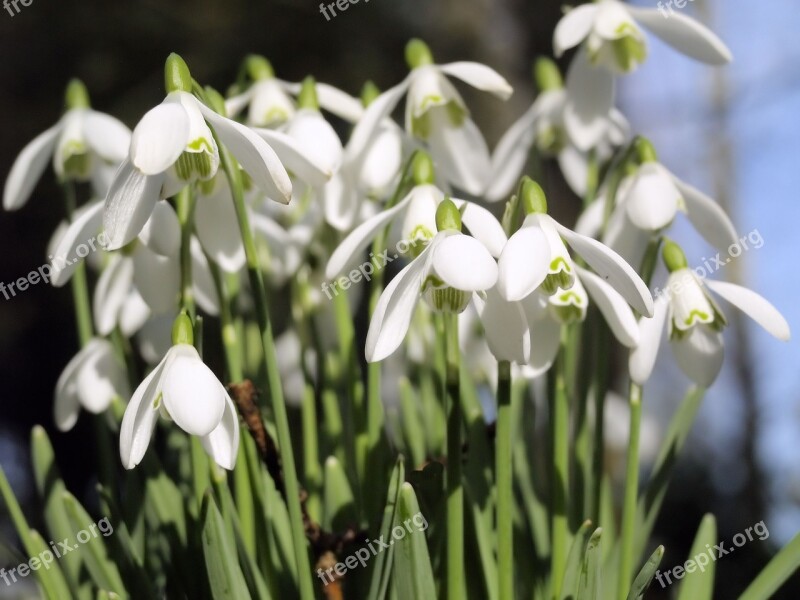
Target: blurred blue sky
pixel 669 100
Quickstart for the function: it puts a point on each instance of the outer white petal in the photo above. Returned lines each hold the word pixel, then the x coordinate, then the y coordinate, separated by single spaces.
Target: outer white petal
pixel 383 160
pixel 205 291
pixel 316 139
pixel 235 104
pixel 79 233
pixel 340 202
pixel 304 166
pixel 108 137
pixel 545 335
pixel 100 378
pixel 222 444
pixel 590 223
pixel 591 97
pixel 464 263
pixel 643 358
pixel 28 168
pixel 162 232
pixel 339 103
pixel 133 314
pixel 460 153
pixel 129 204
pixel 217 227
pixel 652 201
pixel 505 327
pixel 483 226
pixel 523 265
pixel 616 311
pixel 160 137
pixel 480 77
pixel 193 395
pixel 256 156
pixel 362 236
pixel 395 307
pixel 113 288
pixel 157 278
pixel 573 28
pixel 754 306
pixel 510 155
pixel 685 35
pixel 140 418
pixel 67 402
pixel 700 354
pixel 574 166
pixel 707 217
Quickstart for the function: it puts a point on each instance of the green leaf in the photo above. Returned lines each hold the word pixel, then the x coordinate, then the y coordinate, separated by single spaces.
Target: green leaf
pixel 577 551
pixel 412 574
pixel 51 578
pixel 590 586
pixel 413 430
pixel 645 576
pixel 776 573
pixel 699 584
pixel 339 506
pixel 224 574
pixel 382 565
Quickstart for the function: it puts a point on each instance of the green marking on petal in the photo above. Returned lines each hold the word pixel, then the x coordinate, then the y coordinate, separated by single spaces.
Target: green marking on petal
pixel 157 401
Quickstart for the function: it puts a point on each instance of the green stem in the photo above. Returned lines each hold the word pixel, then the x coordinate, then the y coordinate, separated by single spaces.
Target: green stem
pixel 505 483
pixel 631 492
pixel 80 287
pixel 455 490
pixel 273 378
pixel 560 476
pixel 185 205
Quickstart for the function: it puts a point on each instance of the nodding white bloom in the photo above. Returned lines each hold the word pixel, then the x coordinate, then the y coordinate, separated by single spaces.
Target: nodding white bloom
pixel 446 274
pixel 695 322
pixel 536 257
pixel 437 116
pixel 172 146
pixel 269 100
pixel 417 214
pixel 84 145
pixel 181 388
pixel 544 125
pixel 90 380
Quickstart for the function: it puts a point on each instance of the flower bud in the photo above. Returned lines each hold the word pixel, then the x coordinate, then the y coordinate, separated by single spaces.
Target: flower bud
pixel 645 151
pixel 258 67
pixel 418 54
pixel 177 77
pixel 182 330
pixel 448 216
pixel 422 169
pixel 533 198
pixel 546 75
pixel 307 98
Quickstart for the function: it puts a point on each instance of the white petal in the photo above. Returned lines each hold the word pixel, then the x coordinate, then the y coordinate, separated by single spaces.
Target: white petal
pixel 339 103
pixel 392 315
pixel 464 263
pixel 28 168
pixel 257 158
pixel 591 97
pixel 193 395
pixel 79 233
pixel 483 226
pixel 270 106
pixel 707 217
pixel 100 378
pixel 129 204
pixel 160 137
pixel 505 328
pixel 140 419
pixel 205 292
pixel 643 358
pixel 685 35
pixel 110 138
pixel 616 311
pixel 700 354
pixel 162 232
pixel 133 314
pixel 590 223
pixel 652 201
pixel 480 77
pixel 235 104
pixel 361 237
pixel 383 160
pixel 217 227
pixel 545 335
pixel 574 166
pixel 340 202
pixel 573 28
pixel 523 265
pixel 304 166
pixel 510 156
pixel 460 153
pixel 316 139
pixel 111 292
pixel 157 278
pixel 222 444
pixel 611 267
pixel 754 306
pixel 67 403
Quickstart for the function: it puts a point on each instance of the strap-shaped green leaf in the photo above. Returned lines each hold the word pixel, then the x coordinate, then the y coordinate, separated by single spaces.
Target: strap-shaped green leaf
pixel 699 581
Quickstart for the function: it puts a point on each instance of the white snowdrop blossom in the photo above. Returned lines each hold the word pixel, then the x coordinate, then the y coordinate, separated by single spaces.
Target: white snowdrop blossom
pixel 90 380
pixel 695 322
pixel 181 388
pixel 85 145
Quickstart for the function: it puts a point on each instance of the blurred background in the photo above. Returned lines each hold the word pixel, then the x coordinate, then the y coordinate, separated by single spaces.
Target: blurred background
pixel 732 132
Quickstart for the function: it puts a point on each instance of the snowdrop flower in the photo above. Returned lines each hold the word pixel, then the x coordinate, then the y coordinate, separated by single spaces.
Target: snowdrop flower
pixel 172 146
pixel 418 213
pixel 84 145
pixel 613 44
pixel 445 275
pixel 437 116
pixel 181 388
pixel 695 322
pixel 90 380
pixel 544 125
